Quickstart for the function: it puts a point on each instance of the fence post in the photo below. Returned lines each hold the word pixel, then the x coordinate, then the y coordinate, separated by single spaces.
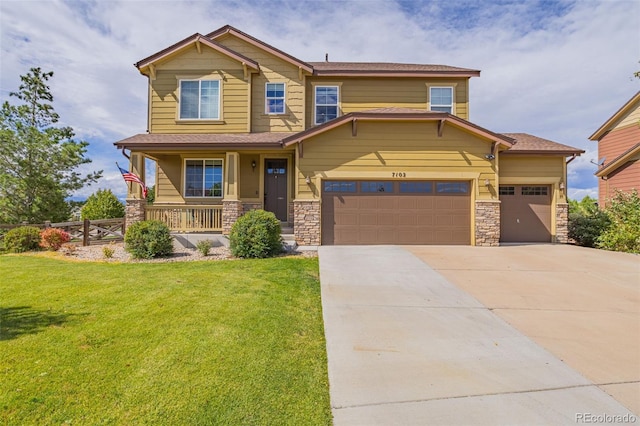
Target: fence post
pixel 85 232
pixel 47 224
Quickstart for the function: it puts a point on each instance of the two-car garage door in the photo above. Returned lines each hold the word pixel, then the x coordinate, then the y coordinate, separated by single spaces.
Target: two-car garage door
pixel 396 212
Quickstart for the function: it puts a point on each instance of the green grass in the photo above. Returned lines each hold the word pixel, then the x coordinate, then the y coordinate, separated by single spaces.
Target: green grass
pixel 227 342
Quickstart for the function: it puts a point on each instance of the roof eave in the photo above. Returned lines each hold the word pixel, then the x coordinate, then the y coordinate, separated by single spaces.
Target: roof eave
pixel 228 29
pixel 615 164
pixel 196 38
pixel 542 152
pixel 598 134
pixel 426 116
pixel 342 73
pixel 195 146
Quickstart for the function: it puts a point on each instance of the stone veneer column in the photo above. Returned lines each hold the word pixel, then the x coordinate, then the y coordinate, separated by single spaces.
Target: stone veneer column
pixel 231 211
pixel 306 222
pixel 488 223
pixel 562 223
pixel 134 211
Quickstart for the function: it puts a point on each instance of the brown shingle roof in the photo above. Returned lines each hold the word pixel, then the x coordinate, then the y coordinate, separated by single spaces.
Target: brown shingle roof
pixel 383 68
pixel 526 144
pixel 171 141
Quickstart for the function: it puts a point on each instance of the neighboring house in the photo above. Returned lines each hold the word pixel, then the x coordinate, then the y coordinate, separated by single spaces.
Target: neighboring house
pixel 619 151
pixel 341 152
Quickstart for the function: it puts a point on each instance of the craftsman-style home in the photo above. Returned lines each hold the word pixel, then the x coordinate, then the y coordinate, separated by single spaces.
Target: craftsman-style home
pixel 340 152
pixel 619 151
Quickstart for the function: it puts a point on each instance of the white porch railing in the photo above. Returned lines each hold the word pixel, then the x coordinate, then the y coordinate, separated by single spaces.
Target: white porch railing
pixel 187 218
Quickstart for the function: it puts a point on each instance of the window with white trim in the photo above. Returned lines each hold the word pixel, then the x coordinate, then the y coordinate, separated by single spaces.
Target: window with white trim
pixel 200 99
pixel 203 178
pixel 326 104
pixel 441 99
pixel 274 100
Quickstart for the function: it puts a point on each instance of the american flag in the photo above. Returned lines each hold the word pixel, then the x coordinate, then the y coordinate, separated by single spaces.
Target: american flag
pixel 132 177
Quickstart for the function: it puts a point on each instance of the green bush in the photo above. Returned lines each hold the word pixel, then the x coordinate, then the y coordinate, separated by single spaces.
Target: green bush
pixel 624 233
pixel 24 238
pixel 102 204
pixel 148 239
pixel 586 227
pixel 204 246
pixel 256 234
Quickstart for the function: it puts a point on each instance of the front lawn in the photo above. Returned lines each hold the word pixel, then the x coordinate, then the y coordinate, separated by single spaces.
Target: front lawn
pixel 227 342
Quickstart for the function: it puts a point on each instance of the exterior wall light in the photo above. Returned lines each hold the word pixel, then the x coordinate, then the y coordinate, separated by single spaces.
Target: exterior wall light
pixel 308 180
pixel 561 185
pixel 253 165
pixel 487 182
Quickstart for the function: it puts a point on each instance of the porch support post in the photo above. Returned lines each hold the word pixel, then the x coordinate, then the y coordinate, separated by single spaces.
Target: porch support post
pixel 231 205
pixel 135 203
pixel 306 222
pixel 231 176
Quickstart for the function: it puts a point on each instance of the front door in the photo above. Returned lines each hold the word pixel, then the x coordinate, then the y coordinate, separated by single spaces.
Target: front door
pixel 275 188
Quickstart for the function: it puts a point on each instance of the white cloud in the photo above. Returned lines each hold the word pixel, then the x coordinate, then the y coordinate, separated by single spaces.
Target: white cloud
pixel 554 69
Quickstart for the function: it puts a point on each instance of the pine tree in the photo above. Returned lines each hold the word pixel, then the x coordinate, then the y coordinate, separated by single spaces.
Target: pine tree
pixel 38 161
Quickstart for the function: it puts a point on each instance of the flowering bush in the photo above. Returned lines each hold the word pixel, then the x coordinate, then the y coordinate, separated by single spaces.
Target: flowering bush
pixel 53 238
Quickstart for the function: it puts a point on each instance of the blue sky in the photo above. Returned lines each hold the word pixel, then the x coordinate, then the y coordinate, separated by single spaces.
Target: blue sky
pixel 555 69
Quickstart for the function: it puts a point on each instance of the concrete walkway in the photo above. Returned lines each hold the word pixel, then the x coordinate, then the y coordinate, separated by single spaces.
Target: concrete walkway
pixel 406 347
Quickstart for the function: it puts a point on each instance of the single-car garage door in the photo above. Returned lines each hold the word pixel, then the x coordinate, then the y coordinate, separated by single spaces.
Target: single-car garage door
pixel 396 212
pixel 525 213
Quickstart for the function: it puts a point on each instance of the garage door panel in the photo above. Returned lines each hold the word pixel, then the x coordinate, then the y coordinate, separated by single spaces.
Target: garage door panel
pixel 395 217
pixel 525 217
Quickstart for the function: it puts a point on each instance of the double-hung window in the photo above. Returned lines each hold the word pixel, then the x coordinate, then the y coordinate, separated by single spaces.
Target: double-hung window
pixel 274 101
pixel 200 99
pixel 441 99
pixel 326 103
pixel 203 178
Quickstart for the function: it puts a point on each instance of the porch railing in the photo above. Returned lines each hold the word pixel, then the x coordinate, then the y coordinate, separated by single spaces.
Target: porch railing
pixel 187 218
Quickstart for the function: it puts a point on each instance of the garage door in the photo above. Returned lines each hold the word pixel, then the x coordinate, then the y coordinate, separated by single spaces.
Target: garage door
pixel 396 212
pixel 525 213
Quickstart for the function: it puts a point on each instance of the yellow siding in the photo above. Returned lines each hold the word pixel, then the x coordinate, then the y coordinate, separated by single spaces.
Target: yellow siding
pixel 358 94
pixel 276 70
pixel 530 167
pixel 169 179
pixel 191 64
pixel 249 177
pixel 633 118
pixel 381 149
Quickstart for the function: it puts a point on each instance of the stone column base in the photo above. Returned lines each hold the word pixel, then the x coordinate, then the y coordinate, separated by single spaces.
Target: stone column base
pixel 306 222
pixel 488 223
pixel 134 211
pixel 562 223
pixel 231 211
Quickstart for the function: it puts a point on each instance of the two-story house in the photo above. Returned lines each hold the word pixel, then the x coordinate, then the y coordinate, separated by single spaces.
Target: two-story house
pixel 342 152
pixel 619 151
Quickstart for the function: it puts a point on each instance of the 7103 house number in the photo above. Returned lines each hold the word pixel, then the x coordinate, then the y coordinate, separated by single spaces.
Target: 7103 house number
pixel 398 174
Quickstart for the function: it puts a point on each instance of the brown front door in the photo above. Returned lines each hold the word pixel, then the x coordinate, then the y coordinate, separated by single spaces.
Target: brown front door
pixel 275 188
pixel 525 213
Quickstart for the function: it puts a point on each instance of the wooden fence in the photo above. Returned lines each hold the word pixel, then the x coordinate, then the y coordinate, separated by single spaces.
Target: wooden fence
pixel 85 231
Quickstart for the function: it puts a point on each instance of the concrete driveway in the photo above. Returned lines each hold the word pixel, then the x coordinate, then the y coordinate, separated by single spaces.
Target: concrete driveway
pixel 406 346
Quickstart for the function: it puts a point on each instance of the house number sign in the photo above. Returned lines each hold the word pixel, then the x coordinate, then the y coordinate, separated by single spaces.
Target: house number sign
pixel 398 174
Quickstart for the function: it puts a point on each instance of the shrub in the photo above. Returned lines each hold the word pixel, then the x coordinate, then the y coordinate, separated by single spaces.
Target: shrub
pixel 24 238
pixel 256 234
pixel 53 238
pixel 204 246
pixel 102 204
pixel 585 227
pixel 148 239
pixel 108 252
pixel 624 232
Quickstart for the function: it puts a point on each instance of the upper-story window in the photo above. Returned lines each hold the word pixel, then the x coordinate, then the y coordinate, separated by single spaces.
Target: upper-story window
pixel 274 101
pixel 441 99
pixel 200 99
pixel 326 103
